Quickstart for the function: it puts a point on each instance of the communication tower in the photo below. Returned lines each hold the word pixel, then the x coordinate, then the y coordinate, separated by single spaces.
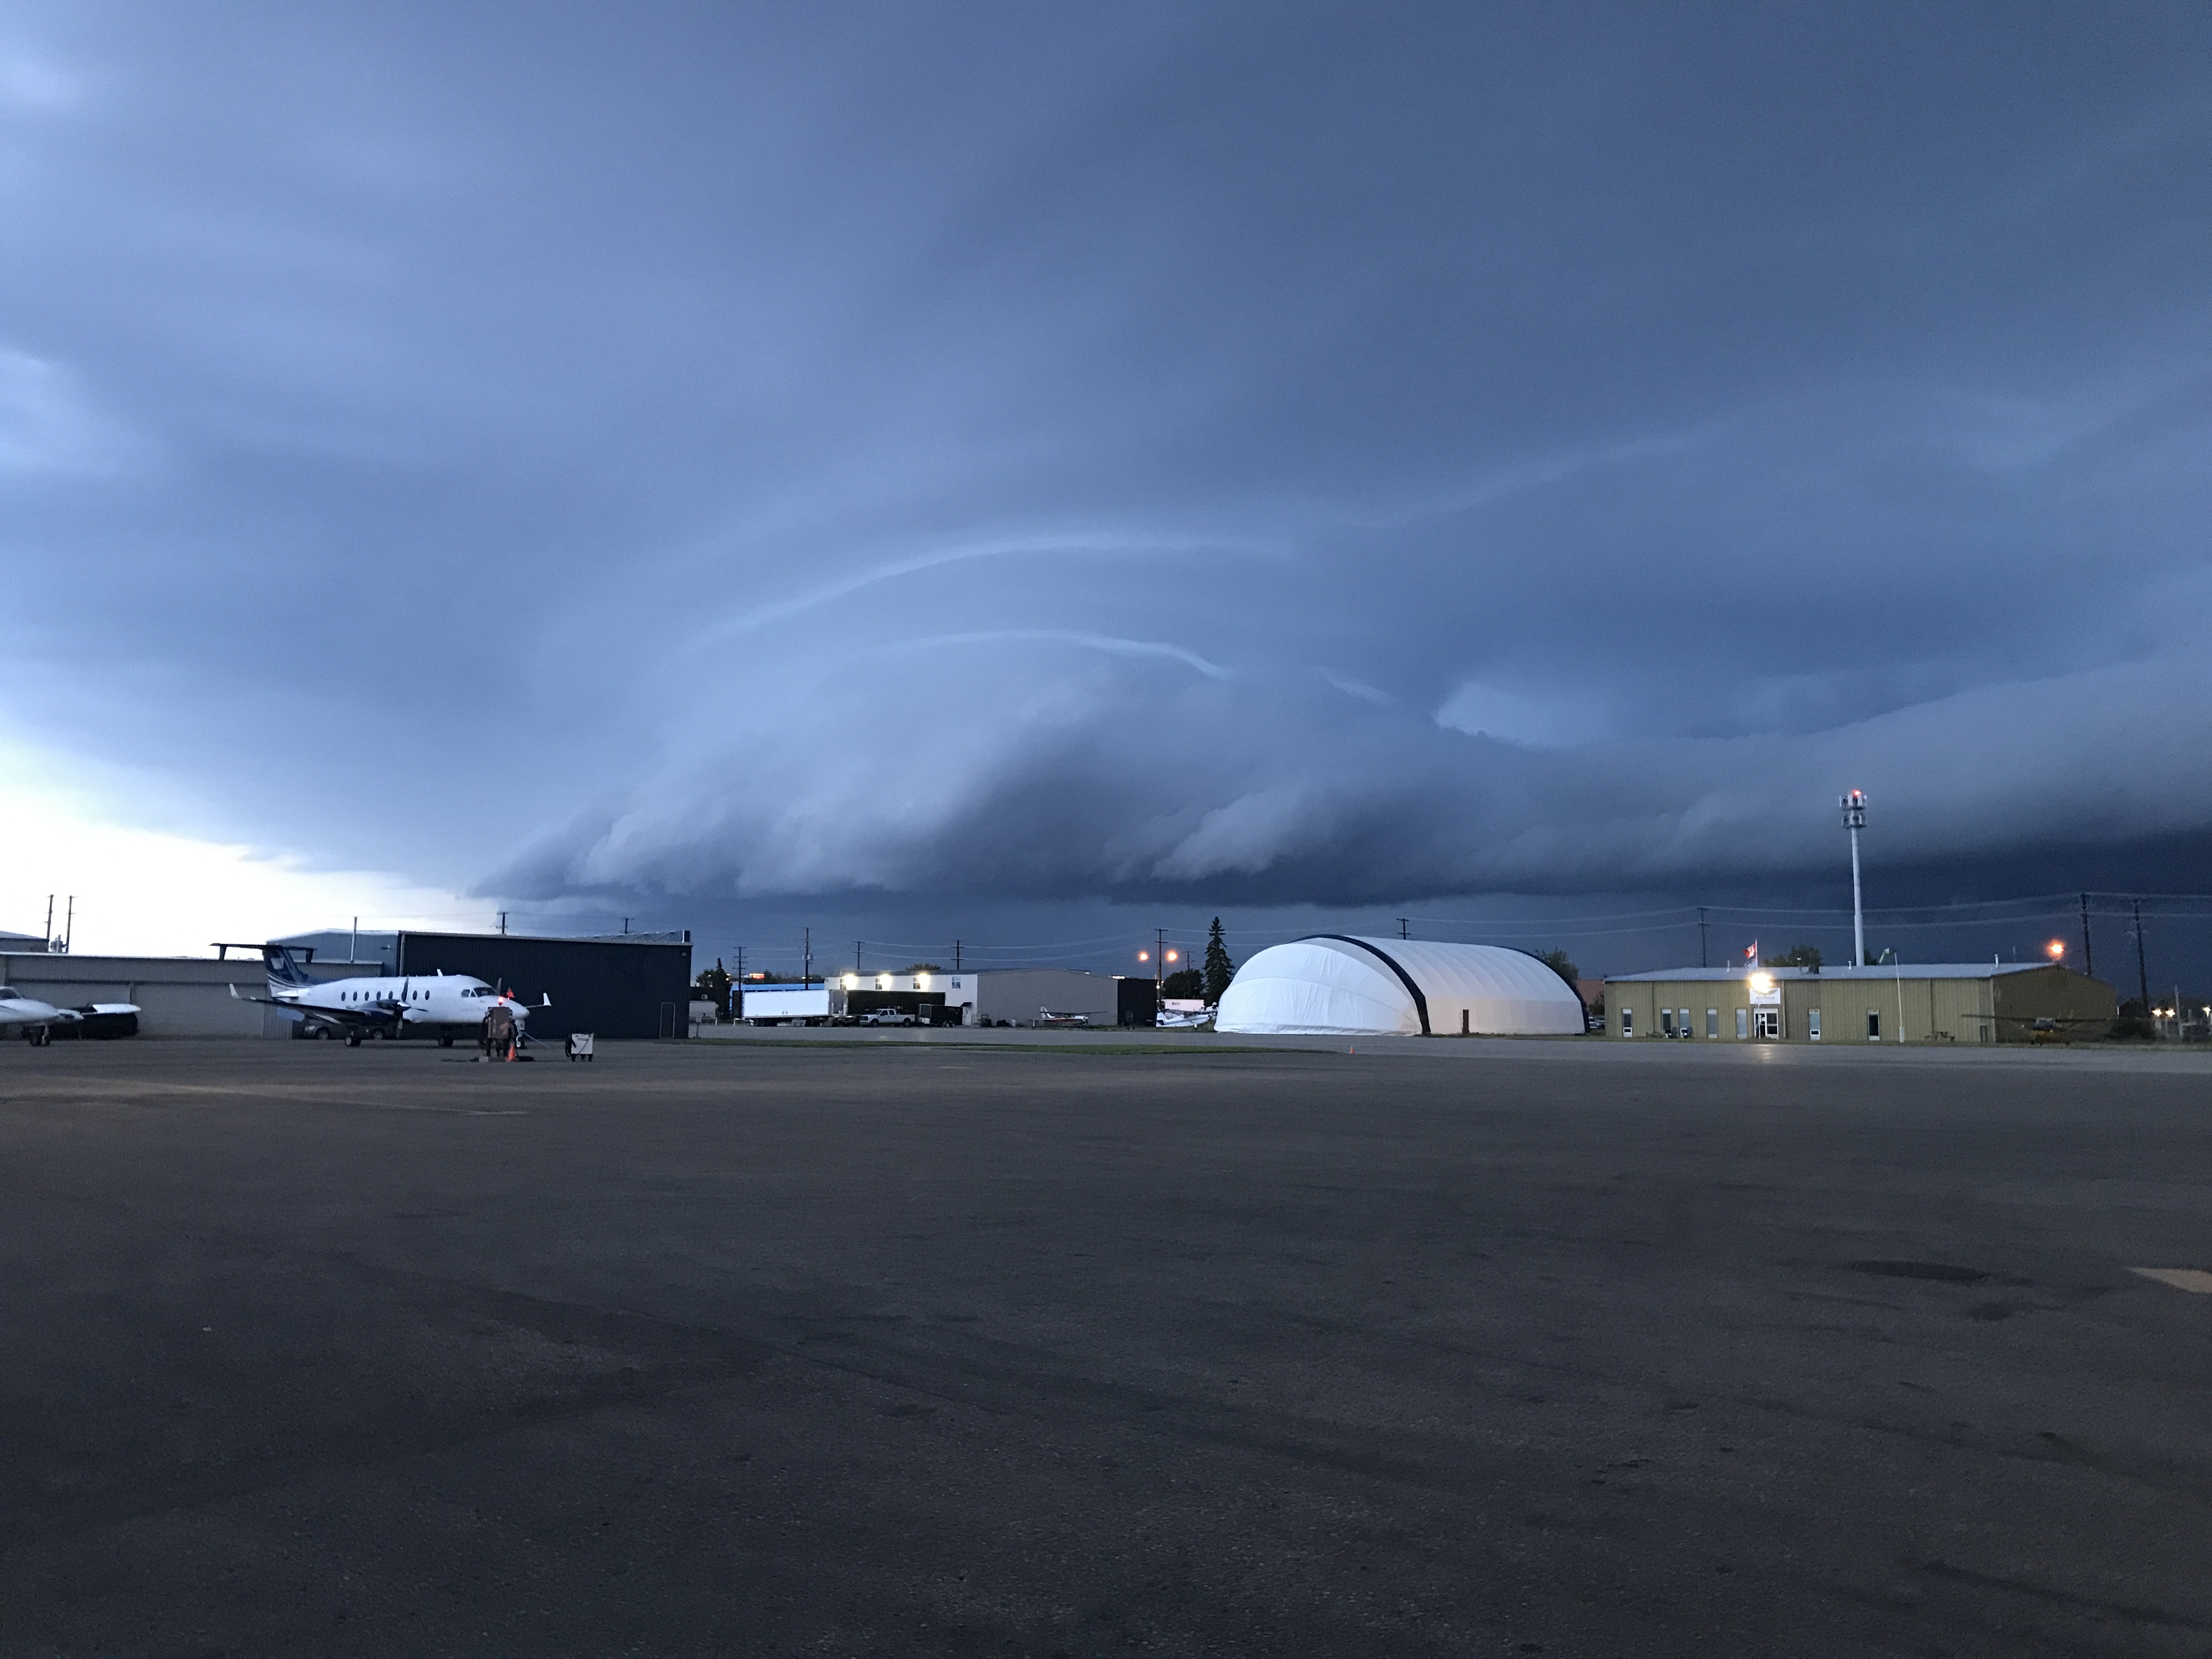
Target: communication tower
pixel 1854 807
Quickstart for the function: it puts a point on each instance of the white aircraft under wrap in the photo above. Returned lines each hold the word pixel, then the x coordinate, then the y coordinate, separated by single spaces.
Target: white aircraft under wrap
pixel 36 1020
pixel 427 1004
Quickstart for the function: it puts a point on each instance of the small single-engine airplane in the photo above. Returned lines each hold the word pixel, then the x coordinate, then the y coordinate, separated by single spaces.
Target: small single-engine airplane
pixel 434 1005
pixel 37 1019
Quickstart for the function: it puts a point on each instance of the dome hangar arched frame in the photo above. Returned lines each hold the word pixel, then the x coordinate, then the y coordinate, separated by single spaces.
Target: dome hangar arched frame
pixel 1341 984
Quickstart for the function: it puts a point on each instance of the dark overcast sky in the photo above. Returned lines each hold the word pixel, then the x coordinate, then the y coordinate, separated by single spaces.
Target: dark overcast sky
pixel 929 462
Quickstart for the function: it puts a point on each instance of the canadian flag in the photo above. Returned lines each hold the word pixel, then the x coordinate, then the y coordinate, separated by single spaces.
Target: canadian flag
pixel 1751 953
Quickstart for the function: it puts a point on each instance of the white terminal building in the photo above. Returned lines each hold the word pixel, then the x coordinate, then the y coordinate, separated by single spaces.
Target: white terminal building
pixel 1020 996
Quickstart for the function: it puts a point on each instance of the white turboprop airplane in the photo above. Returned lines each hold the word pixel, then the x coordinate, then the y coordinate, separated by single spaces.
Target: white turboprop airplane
pixel 434 1005
pixel 37 1019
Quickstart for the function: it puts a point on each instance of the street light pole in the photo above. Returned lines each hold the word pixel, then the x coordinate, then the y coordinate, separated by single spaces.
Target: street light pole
pixel 1159 956
pixel 1854 807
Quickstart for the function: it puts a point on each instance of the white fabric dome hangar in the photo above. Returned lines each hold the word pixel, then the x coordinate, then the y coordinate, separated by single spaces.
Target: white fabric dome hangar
pixel 1336 985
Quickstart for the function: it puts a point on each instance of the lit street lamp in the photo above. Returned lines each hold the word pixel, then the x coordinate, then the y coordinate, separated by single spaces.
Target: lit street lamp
pixel 1159 956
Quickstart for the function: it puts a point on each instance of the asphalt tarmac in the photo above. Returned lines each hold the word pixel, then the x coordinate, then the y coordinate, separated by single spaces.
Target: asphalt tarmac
pixel 717 1349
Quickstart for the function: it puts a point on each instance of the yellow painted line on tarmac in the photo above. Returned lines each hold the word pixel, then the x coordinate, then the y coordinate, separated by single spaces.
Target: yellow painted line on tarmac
pixel 2182 1278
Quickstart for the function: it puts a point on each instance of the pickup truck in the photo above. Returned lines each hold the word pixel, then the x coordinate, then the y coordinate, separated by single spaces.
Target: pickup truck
pixel 889 1016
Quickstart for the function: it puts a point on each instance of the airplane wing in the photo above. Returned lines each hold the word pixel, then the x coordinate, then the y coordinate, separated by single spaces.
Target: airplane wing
pixel 57 1016
pixel 363 1018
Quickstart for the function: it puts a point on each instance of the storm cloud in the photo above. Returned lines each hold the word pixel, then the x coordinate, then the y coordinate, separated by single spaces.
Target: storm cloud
pixel 1241 455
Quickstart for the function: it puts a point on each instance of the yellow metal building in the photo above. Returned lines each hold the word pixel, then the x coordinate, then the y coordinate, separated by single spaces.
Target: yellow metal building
pixel 1939 1002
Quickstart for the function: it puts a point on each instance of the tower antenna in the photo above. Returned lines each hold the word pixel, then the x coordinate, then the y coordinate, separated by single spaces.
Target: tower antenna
pixel 1854 807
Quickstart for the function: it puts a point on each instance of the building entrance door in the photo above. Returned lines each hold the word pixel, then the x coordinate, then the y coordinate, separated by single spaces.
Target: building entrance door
pixel 1766 1024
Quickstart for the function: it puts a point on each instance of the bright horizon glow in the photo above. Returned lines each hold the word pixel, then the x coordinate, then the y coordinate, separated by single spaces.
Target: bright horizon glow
pixel 143 891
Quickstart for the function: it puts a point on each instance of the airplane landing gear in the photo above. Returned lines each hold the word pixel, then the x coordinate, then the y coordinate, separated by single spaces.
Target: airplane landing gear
pixel 352 1039
pixel 445 1042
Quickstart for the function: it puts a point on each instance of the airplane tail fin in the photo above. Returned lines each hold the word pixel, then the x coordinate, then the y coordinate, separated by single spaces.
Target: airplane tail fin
pixel 285 971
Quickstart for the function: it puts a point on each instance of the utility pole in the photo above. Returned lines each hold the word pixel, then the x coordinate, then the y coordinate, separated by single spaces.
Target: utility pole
pixel 625 924
pixel 1159 961
pixel 353 943
pixel 1402 934
pixel 807 959
pixel 856 955
pixel 1701 936
pixel 2143 973
pixel 741 963
pixel 68 928
pixel 2088 960
pixel 50 921
pixel 502 924
pixel 1854 807
pixel 956 956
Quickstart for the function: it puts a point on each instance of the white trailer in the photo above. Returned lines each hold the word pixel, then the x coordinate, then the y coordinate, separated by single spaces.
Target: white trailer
pixel 784 1004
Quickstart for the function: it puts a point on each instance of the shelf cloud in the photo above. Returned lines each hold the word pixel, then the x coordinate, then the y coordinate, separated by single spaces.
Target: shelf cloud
pixel 1229 455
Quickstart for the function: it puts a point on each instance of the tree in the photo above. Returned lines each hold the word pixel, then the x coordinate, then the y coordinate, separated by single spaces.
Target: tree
pixel 1219 969
pixel 1185 984
pixel 1562 964
pixel 1797 956
pixel 713 986
pixel 922 967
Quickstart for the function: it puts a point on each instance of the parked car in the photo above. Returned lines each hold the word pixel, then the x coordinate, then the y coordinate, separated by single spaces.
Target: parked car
pixel 889 1016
